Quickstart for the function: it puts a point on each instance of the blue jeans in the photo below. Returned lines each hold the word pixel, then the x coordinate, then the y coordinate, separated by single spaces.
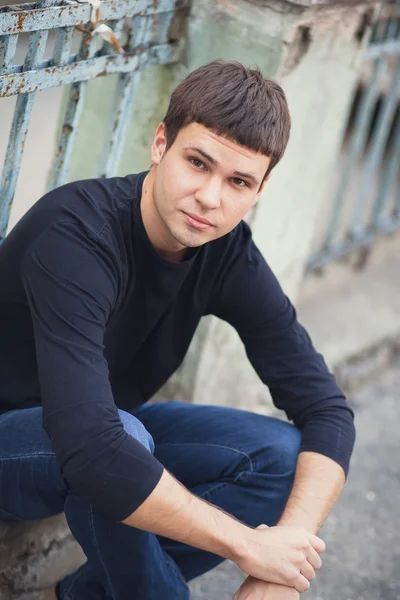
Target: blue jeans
pixel 237 460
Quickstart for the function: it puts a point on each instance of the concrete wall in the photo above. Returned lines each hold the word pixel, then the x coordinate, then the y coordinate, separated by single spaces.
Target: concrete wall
pixel 33 556
pixel 314 53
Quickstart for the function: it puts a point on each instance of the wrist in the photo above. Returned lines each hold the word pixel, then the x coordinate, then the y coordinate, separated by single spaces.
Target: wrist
pixel 301 520
pixel 236 544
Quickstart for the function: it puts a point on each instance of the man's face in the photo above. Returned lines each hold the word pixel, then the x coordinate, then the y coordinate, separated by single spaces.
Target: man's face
pixel 204 184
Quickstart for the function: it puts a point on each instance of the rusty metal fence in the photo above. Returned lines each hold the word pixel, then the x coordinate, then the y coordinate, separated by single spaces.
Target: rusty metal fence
pixel 123 37
pixel 114 36
pixel 367 200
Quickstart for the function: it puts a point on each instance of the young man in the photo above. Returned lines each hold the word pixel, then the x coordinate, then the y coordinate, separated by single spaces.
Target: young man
pixel 102 285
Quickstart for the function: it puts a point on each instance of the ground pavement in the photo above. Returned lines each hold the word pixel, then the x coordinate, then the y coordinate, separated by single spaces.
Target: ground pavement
pixel 362 561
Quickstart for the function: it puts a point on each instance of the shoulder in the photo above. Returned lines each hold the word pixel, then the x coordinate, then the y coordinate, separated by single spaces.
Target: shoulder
pixel 90 204
pixel 238 256
pixel 95 203
pixel 92 213
pixel 245 286
pixel 80 227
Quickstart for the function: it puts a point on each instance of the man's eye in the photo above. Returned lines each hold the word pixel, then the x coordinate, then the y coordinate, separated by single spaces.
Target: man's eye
pixel 239 182
pixel 197 163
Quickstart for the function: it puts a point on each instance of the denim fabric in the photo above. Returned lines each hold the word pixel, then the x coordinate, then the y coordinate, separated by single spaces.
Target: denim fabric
pixel 239 461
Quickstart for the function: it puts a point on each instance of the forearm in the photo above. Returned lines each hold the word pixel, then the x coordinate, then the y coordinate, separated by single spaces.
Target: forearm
pixel 284 555
pixel 172 511
pixel 317 485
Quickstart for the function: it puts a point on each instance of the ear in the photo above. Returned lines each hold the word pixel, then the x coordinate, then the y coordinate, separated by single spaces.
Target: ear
pixel 159 144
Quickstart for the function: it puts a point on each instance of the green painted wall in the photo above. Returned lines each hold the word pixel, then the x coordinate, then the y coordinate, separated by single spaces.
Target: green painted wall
pixel 155 85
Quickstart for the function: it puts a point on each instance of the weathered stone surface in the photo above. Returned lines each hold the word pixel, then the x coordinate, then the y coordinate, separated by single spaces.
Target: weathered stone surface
pixel 4 527
pixel 34 555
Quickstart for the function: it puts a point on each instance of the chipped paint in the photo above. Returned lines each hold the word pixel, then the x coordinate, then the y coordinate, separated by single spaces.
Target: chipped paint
pixel 83 70
pixel 53 17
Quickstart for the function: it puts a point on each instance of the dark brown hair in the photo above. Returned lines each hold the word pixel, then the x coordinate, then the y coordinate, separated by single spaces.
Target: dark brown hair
pixel 235 102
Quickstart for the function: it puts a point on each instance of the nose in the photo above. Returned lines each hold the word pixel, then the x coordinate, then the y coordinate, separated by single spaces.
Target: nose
pixel 209 194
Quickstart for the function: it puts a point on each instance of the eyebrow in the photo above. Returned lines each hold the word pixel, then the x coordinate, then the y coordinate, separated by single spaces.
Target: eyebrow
pixel 214 162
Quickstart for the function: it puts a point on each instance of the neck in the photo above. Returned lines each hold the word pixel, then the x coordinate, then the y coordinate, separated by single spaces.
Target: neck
pixel 156 230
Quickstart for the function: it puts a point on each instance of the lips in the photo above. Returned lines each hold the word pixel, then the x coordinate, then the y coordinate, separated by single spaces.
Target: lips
pixel 198 222
pixel 200 219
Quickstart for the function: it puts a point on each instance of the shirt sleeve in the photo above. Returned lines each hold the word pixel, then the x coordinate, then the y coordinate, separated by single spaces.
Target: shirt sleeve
pixel 71 285
pixel 250 298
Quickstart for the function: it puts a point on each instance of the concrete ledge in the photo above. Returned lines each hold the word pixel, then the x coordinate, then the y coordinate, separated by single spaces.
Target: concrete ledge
pixel 35 555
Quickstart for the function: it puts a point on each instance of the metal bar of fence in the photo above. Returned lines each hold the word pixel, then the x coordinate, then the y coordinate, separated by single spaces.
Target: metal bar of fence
pixel 392 28
pixel 63 46
pixel 19 129
pixel 375 153
pixel 373 145
pixel 123 102
pixel 31 18
pixel 8 46
pixel 14 69
pixel 50 62
pixel 340 251
pixel 357 144
pixel 164 22
pixel 379 49
pixel 125 94
pixel 87 69
pixel 388 182
pixel 73 113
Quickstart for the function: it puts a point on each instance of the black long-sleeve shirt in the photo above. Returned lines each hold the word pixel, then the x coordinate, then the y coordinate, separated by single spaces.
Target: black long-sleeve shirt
pixel 92 318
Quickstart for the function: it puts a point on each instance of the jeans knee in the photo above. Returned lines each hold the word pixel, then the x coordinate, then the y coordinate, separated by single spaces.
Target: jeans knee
pixel 285 449
pixel 137 430
pixel 276 447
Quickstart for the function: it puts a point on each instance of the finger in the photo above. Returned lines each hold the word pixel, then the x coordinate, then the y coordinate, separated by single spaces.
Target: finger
pixel 307 571
pixel 301 584
pixel 318 544
pixel 314 558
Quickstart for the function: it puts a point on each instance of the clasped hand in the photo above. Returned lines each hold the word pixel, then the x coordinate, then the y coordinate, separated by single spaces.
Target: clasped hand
pixel 288 556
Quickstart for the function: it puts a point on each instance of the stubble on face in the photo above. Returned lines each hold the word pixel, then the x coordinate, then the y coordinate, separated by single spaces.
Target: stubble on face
pixel 195 181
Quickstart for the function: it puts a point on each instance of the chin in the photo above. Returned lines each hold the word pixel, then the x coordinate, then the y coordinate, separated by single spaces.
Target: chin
pixel 189 239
